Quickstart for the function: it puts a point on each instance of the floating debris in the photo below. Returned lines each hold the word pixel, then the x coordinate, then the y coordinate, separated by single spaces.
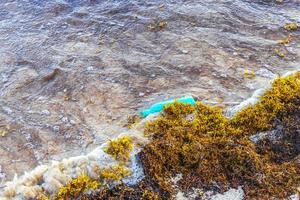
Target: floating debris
pixel 3 133
pixel 132 119
pixel 214 150
pixel 249 74
pixel 291 26
pixel 155 108
pixel 286 40
pixel 159 26
pixel 162 7
pixel 151 27
pixel 162 24
pixel 279 53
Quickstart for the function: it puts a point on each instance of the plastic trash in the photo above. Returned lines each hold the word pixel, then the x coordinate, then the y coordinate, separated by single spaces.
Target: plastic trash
pixel 155 108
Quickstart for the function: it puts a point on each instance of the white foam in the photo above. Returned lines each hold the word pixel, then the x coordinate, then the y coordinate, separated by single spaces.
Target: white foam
pixel 250 101
pixel 230 112
pixel 53 176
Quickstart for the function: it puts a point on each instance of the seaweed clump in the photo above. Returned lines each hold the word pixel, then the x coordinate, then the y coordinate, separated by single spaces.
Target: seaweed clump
pixel 82 186
pixel 77 188
pixel 215 153
pixel 281 101
pixel 120 148
pixel 141 191
pixel 115 173
pixel 199 143
pixel 291 26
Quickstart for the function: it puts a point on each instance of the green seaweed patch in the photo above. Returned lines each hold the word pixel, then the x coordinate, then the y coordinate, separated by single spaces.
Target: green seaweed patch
pixel 120 148
pixel 215 152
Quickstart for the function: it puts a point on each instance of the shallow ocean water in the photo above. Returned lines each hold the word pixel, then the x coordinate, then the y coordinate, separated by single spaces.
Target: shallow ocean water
pixel 72 71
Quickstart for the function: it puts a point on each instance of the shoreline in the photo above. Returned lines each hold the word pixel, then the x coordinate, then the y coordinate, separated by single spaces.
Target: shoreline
pixel 50 177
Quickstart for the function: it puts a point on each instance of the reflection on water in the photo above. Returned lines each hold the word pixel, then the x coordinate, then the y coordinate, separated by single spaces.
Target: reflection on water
pixel 71 71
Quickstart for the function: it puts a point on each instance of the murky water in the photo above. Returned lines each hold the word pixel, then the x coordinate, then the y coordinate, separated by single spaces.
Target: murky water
pixel 71 71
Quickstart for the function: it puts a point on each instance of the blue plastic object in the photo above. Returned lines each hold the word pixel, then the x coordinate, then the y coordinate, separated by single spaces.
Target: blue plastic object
pixel 155 108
